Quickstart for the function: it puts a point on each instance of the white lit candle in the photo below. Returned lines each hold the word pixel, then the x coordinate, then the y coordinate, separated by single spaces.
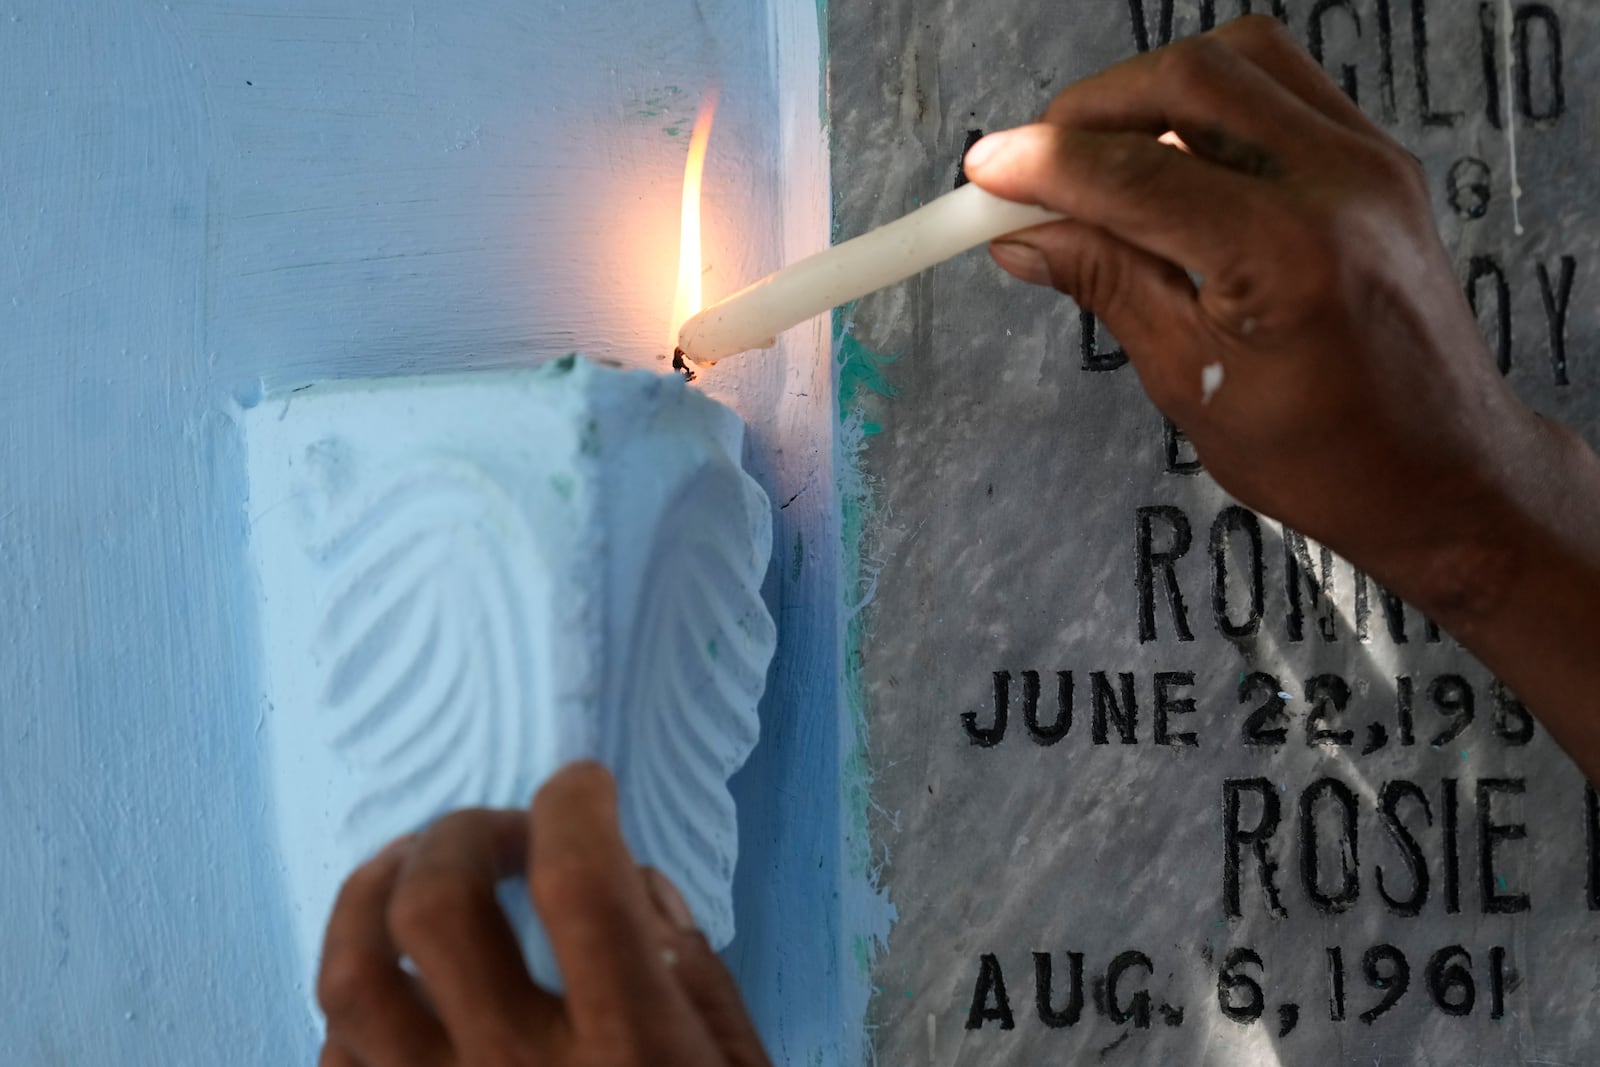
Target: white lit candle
pixel 753 317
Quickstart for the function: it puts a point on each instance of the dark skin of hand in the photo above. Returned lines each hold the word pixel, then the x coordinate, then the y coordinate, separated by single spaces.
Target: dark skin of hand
pixel 1359 405
pixel 643 986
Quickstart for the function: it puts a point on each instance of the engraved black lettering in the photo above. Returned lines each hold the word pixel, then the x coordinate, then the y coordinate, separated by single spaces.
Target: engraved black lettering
pixel 1394 611
pixel 1512 721
pixel 1169 703
pixel 1557 298
pixel 1489 59
pixel 1257 838
pixel 973 137
pixel 1450 831
pixel 1149 559
pixel 1453 696
pixel 1044 994
pixel 1108 708
pixel 1329 697
pixel 1231 981
pixel 1490 833
pixel 1303 582
pixel 1419 50
pixel 1138 1008
pixel 1386 81
pixel 1230 522
pixel 1394 981
pixel 1041 734
pixel 1143 38
pixel 1552 102
pixel 1348 843
pixel 1591 837
pixel 1089 333
pixel 1470 187
pixel 991 985
pixel 1416 862
pixel 1346 74
pixel 1182 459
pixel 1450 982
pixel 1268 725
pixel 991 735
pixel 1497 982
pixel 1405 701
pixel 1486 269
pixel 1336 984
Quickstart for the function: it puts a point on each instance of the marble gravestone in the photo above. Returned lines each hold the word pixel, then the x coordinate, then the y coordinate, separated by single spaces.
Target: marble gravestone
pixel 1157 780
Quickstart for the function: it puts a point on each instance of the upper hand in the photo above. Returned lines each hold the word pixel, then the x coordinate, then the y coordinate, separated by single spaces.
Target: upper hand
pixel 643 986
pixel 1292 248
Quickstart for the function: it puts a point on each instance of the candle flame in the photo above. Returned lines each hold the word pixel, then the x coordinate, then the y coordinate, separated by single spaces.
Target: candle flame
pixel 689 299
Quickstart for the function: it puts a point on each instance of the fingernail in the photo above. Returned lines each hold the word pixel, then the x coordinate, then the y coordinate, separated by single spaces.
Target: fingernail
pixel 985 150
pixel 669 902
pixel 1023 260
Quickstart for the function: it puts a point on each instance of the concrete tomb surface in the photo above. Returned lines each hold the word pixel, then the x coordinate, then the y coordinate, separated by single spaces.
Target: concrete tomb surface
pixel 1158 781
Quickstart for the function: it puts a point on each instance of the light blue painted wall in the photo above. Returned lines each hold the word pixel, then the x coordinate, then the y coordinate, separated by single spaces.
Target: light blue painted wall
pixel 201 198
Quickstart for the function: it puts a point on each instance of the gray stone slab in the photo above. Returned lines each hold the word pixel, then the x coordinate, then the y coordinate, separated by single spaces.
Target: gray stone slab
pixel 1009 482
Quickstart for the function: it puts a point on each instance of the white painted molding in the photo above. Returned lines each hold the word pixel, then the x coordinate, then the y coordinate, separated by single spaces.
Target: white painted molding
pixel 468 581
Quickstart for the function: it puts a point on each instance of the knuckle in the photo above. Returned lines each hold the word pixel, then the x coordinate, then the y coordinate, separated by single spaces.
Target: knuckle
pixel 457 823
pixel 1191 63
pixel 427 907
pixel 1261 31
pixel 1126 163
pixel 347 984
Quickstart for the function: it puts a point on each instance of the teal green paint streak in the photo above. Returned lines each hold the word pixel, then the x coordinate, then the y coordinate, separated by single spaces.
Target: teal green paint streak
pixel 861 372
pixel 862 383
pixel 822 45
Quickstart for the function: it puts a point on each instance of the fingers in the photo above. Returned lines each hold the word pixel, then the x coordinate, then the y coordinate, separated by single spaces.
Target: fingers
pixel 445 916
pixel 592 899
pixel 1167 202
pixel 374 1014
pixel 1206 90
pixel 702 976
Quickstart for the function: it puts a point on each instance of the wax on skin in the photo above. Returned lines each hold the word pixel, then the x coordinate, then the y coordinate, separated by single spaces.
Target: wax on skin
pixel 467 581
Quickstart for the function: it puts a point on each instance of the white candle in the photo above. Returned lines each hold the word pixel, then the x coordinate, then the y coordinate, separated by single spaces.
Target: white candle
pixel 753 317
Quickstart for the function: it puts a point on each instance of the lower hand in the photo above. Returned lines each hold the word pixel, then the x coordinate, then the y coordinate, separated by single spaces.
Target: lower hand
pixel 643 986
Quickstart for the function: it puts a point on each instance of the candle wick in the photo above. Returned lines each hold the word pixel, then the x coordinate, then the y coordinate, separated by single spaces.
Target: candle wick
pixel 680 363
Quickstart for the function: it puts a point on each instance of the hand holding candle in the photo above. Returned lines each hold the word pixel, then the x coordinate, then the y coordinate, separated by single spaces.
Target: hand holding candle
pixel 753 317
